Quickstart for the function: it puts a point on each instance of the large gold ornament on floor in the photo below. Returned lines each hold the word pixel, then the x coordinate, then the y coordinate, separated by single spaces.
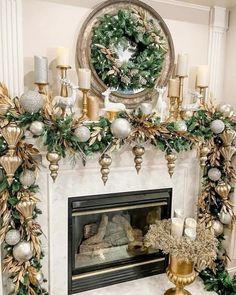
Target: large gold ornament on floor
pixel 10 165
pixel 12 134
pixel 171 158
pixel 105 161
pixel 180 273
pixel 138 151
pixel 53 158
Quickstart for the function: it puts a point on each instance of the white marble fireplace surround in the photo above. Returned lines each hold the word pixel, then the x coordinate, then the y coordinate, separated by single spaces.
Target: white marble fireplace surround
pixel 80 181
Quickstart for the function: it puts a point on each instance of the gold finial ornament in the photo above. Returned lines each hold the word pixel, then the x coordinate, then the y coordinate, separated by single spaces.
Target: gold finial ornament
pixel 10 164
pixel 204 151
pixel 227 152
pixel 180 273
pixel 228 136
pixel 138 151
pixel 105 161
pixel 12 134
pixel 223 189
pixel 171 158
pixel 53 158
pixel 26 208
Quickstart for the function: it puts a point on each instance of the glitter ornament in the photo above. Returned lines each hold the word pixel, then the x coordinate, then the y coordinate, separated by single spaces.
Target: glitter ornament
pixel 214 174
pixel 36 128
pixel 12 237
pixel 217 126
pixel 27 178
pixel 32 101
pixel 83 133
pixel 120 128
pixel 22 252
pixel 218 228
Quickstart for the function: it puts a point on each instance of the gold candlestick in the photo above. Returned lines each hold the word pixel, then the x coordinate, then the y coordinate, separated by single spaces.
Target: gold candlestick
pixel 173 115
pixel 84 116
pixel 181 93
pixel 63 69
pixel 42 88
pixel 202 91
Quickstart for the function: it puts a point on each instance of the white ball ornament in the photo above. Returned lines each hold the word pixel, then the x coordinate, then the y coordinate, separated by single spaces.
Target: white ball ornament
pixel 214 174
pixel 226 109
pixel 181 126
pixel 27 178
pixel 218 228
pixel 120 128
pixel 217 126
pixel 12 237
pixel 22 252
pixel 83 133
pixel 32 101
pixel 225 217
pixel 36 128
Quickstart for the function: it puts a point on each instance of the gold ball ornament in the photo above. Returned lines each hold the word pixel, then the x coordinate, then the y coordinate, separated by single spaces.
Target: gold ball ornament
pixel 171 158
pixel 105 161
pixel 53 158
pixel 223 189
pixel 27 178
pixel 12 237
pixel 22 252
pixel 12 134
pixel 10 164
pixel 138 152
pixel 226 109
pixel 214 174
pixel 32 101
pixel 120 128
pixel 217 126
pixel 83 133
pixel 36 128
pixel 217 227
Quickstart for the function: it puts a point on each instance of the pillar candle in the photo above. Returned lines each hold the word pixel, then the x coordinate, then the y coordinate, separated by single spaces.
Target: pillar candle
pixel 84 78
pixel 63 56
pixel 202 76
pixel 177 227
pixel 182 65
pixel 190 223
pixel 173 90
pixel 179 213
pixel 40 69
pixel 93 108
pixel 190 233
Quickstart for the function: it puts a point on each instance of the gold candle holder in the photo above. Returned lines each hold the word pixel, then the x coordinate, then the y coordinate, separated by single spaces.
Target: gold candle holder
pixel 174 110
pixel 180 273
pixel 181 89
pixel 63 69
pixel 84 116
pixel 42 88
pixel 202 91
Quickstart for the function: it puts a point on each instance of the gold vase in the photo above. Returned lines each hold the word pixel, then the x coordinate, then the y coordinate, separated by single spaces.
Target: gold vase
pixel 180 273
pixel 12 134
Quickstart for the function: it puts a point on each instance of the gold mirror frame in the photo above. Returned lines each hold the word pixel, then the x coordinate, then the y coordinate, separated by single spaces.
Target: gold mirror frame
pixel 83 51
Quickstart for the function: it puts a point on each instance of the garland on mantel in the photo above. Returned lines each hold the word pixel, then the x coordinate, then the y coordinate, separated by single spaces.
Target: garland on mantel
pixel 210 131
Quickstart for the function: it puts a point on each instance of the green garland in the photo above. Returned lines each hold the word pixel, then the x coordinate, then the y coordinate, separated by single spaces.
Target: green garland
pixel 120 31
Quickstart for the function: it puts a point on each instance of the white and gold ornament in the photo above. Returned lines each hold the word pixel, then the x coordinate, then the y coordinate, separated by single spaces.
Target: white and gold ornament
pixel 27 178
pixel 22 252
pixel 12 237
pixel 217 126
pixel 225 217
pixel 214 174
pixel 32 101
pixel 83 133
pixel 181 126
pixel 120 128
pixel 217 227
pixel 36 128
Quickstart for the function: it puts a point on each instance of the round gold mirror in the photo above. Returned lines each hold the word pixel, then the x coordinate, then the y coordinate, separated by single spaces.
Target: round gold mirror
pixel 128 48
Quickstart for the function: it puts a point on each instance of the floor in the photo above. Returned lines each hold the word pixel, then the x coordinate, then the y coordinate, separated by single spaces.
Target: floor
pixel 155 285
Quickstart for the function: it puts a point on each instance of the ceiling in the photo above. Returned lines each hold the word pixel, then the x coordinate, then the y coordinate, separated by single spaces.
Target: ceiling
pixel 224 3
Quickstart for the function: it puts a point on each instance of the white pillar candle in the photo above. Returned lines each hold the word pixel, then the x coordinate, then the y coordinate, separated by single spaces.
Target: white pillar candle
pixel 177 227
pixel 190 223
pixel 190 233
pixel 202 76
pixel 63 56
pixel 179 213
pixel 173 90
pixel 40 69
pixel 84 78
pixel 182 65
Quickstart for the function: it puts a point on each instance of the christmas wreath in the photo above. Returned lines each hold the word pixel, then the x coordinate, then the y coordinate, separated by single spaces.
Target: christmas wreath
pixel 128 50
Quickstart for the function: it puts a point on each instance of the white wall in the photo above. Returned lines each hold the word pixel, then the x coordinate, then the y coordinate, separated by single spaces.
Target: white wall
pixel 52 23
pixel 230 69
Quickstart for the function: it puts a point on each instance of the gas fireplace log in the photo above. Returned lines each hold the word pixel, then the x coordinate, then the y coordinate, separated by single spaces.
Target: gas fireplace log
pixel 98 238
pixel 128 228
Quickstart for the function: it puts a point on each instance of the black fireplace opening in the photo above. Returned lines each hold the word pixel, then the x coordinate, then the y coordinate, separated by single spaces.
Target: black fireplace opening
pixel 105 238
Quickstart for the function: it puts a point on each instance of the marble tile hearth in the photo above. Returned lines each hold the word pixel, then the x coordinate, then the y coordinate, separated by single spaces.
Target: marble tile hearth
pixel 155 285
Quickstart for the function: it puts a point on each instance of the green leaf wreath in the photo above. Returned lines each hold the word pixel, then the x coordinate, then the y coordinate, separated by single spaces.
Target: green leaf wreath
pixel 128 30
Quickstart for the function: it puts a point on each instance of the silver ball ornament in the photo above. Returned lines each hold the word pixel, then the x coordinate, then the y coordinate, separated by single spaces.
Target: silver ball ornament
pixel 83 133
pixel 226 109
pixel 217 126
pixel 146 108
pixel 120 128
pixel 12 237
pixel 27 178
pixel 181 126
pixel 22 252
pixel 218 228
pixel 225 217
pixel 36 128
pixel 32 101
pixel 214 174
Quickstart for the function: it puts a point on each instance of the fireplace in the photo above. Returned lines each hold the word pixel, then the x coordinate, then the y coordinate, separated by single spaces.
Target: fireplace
pixel 106 233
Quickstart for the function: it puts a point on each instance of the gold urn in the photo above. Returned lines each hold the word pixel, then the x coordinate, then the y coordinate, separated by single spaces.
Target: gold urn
pixel 181 273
